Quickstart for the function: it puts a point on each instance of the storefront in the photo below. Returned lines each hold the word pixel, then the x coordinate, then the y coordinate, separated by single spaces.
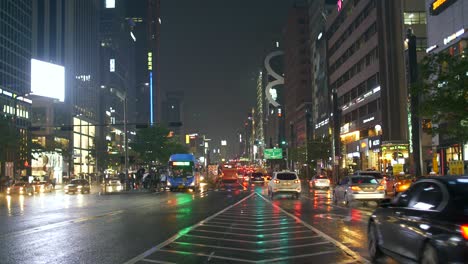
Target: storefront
pixel 48 166
pixel 395 157
pixel 373 154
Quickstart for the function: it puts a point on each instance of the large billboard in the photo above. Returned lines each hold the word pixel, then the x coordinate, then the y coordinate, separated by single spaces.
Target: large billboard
pixel 47 79
pixel 275 153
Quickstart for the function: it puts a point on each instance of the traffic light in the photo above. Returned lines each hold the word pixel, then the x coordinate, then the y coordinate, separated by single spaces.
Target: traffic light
pixel 284 143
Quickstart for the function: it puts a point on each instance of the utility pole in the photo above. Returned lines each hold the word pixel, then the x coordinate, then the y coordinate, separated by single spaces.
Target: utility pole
pixel 414 102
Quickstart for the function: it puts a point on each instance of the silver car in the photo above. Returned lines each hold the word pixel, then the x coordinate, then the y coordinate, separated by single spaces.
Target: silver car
pixel 358 188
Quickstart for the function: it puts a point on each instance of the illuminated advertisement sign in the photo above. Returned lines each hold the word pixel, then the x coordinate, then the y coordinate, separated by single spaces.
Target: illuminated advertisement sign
pixel 439 5
pixel 47 80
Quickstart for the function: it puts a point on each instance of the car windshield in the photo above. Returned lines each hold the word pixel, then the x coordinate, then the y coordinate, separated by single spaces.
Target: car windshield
pixel 459 190
pixel 286 176
pixel 364 180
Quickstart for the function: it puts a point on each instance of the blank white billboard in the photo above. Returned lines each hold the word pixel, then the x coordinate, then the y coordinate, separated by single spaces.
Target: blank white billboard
pixel 47 79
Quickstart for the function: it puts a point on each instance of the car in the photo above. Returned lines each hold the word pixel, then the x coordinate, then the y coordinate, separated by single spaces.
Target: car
pixel 114 185
pixel 319 182
pixel 21 188
pixel 78 186
pixel 43 186
pixel 358 188
pixel 257 177
pixel 398 183
pixel 377 174
pixel 428 223
pixel 284 182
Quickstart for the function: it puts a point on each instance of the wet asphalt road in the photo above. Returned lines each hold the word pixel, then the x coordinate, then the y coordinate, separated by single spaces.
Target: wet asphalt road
pixel 238 226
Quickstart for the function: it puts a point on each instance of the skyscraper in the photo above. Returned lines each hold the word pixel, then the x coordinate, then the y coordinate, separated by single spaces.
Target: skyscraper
pixel 147 23
pixel 15 68
pixel 66 32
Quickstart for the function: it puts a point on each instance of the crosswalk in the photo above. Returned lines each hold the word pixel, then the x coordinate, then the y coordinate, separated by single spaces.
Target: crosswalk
pixel 251 231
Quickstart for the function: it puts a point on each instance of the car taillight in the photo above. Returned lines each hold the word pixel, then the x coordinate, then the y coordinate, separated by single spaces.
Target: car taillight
pixel 246 178
pixel 328 181
pixel 355 188
pixel 297 181
pixel 381 188
pixel 464 230
pixel 276 181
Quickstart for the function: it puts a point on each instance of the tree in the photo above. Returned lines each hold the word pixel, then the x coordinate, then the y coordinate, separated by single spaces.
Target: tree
pixel 443 89
pixel 153 144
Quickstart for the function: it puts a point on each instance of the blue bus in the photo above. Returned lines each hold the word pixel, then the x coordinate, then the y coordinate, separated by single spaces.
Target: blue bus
pixel 183 172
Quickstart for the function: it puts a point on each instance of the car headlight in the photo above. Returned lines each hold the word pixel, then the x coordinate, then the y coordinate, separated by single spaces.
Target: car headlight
pixel 80 186
pixel 21 188
pixel 8 189
pixel 168 183
pixel 193 183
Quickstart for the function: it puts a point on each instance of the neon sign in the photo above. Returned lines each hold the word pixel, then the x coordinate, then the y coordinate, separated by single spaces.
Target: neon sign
pixel 440 5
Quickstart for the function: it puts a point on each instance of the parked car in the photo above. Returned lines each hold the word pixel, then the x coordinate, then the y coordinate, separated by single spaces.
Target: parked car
pixel 358 188
pixel 78 186
pixel 43 186
pixel 319 182
pixel 428 223
pixel 398 183
pixel 21 188
pixel 284 182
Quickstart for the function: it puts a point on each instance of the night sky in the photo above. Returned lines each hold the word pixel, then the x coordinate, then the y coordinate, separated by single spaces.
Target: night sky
pixel 212 50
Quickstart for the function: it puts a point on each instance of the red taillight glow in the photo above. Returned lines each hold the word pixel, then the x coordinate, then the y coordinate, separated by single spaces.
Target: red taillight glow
pixel 381 188
pixel 464 230
pixel 276 181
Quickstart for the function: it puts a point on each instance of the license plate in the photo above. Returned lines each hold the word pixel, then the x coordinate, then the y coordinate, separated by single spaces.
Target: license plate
pixel 181 186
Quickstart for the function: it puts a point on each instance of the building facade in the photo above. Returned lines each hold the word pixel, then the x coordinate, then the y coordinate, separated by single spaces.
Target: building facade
pixel 15 68
pixel 65 32
pixel 297 80
pixel 366 75
pixel 447 31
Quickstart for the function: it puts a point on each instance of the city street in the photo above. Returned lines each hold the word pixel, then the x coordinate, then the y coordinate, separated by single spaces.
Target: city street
pixel 238 226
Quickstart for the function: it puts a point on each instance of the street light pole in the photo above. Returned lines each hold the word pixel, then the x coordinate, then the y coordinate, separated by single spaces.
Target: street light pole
pixel 126 136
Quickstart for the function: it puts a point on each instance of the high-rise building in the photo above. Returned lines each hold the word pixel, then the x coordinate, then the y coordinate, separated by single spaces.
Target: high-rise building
pixel 117 42
pixel 172 112
pixel 447 31
pixel 15 68
pixel 366 74
pixel 147 22
pixel 66 32
pixel 297 77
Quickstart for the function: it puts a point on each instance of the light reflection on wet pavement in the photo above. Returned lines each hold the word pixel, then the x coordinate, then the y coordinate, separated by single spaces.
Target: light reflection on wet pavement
pixel 116 228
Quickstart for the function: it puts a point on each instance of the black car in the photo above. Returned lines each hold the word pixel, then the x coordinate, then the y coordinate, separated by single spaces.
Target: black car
pixel 257 177
pixel 428 223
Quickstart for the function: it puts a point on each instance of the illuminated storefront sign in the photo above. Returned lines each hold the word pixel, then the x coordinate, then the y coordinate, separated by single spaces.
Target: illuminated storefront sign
pixel 367 120
pixel 150 61
pixel 452 37
pixel 440 5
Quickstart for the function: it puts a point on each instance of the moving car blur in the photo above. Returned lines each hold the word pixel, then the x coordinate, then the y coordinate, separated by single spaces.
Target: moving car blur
pixel 257 178
pixel 319 182
pixel 43 187
pixel 20 188
pixel 113 185
pixel 77 186
pixel 398 183
pixel 358 188
pixel 428 223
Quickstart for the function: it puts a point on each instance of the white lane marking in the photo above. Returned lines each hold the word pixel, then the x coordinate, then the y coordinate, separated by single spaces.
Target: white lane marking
pixel 206 255
pixel 231 222
pixel 338 244
pixel 254 242
pixel 220 247
pixel 180 234
pixel 157 261
pixel 256 229
pixel 298 246
pixel 57 225
pixel 298 256
pixel 342 207
pixel 243 217
pixel 248 235
pixel 252 221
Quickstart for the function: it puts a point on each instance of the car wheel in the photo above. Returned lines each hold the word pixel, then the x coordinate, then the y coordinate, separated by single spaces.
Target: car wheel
pixel 373 243
pixel 429 255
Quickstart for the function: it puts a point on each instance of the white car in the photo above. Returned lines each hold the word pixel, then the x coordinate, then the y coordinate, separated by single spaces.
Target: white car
pixel 358 188
pixel 286 182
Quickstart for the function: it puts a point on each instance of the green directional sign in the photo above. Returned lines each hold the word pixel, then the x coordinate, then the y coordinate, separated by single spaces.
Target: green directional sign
pixel 275 153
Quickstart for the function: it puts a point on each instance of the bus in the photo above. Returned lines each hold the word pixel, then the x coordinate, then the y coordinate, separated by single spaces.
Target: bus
pixel 183 172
